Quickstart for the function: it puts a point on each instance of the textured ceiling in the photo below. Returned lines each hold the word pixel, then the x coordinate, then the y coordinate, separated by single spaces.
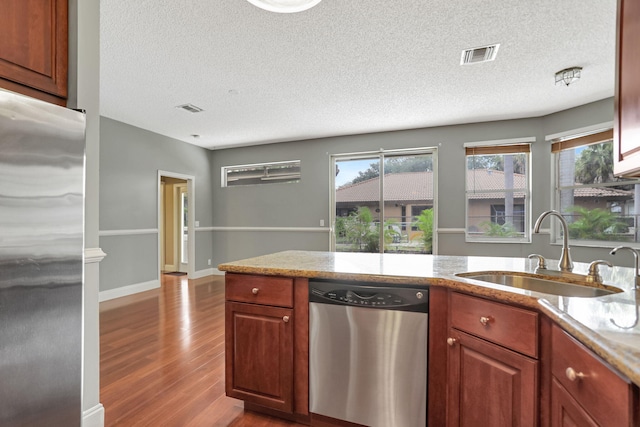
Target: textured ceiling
pixel 345 66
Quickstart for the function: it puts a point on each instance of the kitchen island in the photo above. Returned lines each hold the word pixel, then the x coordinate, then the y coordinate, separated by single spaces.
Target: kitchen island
pixel 607 325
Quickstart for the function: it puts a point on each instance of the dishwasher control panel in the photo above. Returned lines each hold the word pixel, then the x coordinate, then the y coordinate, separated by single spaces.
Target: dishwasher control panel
pixel 368 296
pixel 363 298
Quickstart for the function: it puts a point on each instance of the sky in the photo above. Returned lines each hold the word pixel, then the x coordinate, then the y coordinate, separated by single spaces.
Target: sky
pixel 349 169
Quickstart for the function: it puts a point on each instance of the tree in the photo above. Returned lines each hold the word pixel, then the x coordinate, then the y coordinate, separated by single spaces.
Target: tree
pixel 419 163
pixel 595 164
pixel 424 222
pixel 596 224
pixel 372 172
pixel 493 229
pixel 360 230
pixel 363 232
pixel 496 162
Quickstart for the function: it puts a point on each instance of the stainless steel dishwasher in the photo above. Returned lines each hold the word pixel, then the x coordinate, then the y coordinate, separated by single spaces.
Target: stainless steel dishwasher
pixel 368 353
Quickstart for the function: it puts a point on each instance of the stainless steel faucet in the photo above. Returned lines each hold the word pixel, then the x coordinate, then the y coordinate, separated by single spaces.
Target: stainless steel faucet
pixel 635 256
pixel 594 273
pixel 565 263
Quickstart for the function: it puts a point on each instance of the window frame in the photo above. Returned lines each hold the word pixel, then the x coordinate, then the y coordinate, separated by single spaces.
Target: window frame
pixel 570 140
pixel 500 147
pixel 293 164
pixel 381 155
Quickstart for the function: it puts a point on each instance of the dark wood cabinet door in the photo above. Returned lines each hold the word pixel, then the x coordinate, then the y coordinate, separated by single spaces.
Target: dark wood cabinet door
pixel 259 354
pixel 490 385
pixel 34 48
pixel 565 411
pixel 603 393
pixel 627 102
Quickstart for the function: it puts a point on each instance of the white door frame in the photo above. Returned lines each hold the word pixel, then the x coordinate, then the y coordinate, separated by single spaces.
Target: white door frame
pixel 191 241
pixel 179 235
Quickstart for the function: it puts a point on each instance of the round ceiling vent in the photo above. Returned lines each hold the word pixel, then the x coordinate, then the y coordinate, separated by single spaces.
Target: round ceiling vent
pixel 284 6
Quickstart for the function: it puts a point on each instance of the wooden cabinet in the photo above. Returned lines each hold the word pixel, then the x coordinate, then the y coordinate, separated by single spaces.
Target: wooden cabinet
pixel 565 410
pixel 266 339
pixel 260 355
pixel 627 95
pixel 492 378
pixel 585 391
pixel 33 48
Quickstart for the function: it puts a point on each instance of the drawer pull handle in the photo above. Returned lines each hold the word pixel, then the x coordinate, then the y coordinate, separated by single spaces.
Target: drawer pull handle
pixel 255 291
pixel 573 375
pixel 285 319
pixel 452 341
pixel 485 320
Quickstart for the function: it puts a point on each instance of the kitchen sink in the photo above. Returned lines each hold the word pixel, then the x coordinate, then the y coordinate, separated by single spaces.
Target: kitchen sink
pixel 542 284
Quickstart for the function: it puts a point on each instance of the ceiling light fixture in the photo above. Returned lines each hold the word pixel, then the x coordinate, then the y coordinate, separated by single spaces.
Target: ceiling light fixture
pixel 284 6
pixel 568 75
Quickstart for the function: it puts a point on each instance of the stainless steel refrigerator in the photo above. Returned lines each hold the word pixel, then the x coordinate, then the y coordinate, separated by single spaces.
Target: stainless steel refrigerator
pixel 41 262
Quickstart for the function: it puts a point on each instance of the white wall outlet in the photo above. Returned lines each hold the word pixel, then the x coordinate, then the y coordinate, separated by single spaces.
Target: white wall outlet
pixel 197 223
pixel 322 223
pixel 208 262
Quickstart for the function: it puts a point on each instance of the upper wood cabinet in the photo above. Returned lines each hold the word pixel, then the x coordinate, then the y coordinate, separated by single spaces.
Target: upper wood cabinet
pixel 626 136
pixel 33 48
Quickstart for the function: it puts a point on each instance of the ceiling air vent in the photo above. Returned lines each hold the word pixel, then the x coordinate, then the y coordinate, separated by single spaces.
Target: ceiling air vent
pixel 479 54
pixel 190 108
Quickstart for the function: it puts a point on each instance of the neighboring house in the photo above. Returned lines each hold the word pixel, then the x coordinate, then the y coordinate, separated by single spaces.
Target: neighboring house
pixel 408 193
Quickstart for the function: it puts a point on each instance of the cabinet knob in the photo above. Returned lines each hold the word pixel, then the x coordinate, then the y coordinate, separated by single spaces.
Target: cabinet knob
pixel 255 291
pixel 285 319
pixel 573 375
pixel 451 341
pixel 485 320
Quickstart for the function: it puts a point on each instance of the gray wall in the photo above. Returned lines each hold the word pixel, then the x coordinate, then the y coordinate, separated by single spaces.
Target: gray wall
pixel 305 203
pixel 84 93
pixel 130 158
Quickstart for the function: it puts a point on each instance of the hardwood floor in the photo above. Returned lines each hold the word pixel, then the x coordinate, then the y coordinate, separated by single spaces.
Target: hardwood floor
pixel 162 359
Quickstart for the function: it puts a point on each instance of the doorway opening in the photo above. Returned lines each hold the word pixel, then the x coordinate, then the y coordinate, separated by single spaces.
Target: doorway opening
pixel 176 220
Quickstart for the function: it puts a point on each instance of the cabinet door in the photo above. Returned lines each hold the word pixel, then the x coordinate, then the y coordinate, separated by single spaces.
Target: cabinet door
pixel 490 385
pixel 259 354
pixel 604 394
pixel 33 48
pixel 565 411
pixel 627 103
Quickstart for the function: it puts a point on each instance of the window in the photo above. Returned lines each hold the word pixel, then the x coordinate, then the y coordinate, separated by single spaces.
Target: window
pixel 373 195
pixel 497 191
pixel 498 216
pixel 261 173
pixel 598 206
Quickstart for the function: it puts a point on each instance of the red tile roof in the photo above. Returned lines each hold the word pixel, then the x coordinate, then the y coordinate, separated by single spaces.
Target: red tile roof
pixel 417 186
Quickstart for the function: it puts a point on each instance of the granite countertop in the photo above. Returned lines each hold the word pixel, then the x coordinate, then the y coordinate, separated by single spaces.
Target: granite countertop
pixel 608 325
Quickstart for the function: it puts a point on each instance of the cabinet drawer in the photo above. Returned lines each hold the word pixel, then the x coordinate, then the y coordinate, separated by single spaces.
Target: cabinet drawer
pixel 511 327
pixel 599 390
pixel 265 290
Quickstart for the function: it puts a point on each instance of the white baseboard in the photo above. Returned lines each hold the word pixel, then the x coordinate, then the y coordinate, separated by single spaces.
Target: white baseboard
pixel 93 417
pixel 128 290
pixel 207 272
